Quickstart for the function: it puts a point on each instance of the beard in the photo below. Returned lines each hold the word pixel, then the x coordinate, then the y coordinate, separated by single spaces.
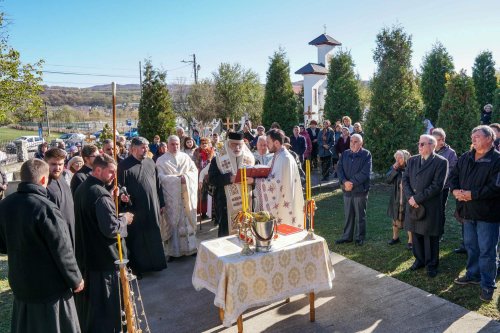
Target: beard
pixel 55 175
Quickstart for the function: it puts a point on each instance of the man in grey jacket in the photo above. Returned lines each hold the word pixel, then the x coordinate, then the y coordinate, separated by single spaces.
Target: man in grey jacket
pixel 354 170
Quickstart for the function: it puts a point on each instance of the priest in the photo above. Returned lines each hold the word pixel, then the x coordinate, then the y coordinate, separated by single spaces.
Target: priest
pixel 222 174
pixel 179 180
pixel 144 198
pixel 281 192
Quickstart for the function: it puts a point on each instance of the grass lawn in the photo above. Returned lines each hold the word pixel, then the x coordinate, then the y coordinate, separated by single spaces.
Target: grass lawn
pixel 8 134
pixel 396 260
pixel 6 297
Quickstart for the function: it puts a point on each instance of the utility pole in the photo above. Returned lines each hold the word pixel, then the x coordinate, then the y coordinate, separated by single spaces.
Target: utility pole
pixel 47 118
pixel 196 67
pixel 140 76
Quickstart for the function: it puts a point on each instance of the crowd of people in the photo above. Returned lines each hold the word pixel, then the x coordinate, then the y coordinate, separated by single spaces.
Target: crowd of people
pixel 62 223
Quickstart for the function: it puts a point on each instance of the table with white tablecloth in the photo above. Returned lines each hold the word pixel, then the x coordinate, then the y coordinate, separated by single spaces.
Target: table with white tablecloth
pixel 293 266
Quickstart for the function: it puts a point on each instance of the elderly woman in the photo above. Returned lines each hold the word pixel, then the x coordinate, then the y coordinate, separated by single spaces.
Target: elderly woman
pixel 74 164
pixel 396 208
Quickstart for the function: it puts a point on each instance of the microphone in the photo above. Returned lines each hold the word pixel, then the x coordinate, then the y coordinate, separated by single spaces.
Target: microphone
pixel 123 190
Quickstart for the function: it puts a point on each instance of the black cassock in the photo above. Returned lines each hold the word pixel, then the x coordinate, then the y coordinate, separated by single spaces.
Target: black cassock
pixel 96 228
pixel 219 180
pixel 42 265
pixel 60 194
pixel 146 197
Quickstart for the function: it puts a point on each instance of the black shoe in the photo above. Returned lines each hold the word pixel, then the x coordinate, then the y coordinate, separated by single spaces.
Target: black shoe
pixel 409 246
pixel 204 216
pixel 416 266
pixel 393 241
pixel 432 273
pixel 460 250
pixel 486 295
pixel 342 241
pixel 170 259
pixel 464 280
pixel 360 242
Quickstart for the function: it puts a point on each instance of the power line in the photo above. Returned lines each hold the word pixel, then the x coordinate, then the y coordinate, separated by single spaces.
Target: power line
pixel 92 67
pixel 89 74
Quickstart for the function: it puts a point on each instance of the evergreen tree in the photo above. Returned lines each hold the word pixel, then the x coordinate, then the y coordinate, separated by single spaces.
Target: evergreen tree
pixel 342 91
pixel 495 117
pixel 156 115
pixel 436 65
pixel 280 104
pixel 299 100
pixel 106 133
pixel 459 111
pixel 485 81
pixel 395 117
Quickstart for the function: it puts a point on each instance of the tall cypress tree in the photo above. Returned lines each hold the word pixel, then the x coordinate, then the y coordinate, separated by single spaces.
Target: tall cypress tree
pixel 436 65
pixel 280 104
pixel 156 115
pixel 395 117
pixel 485 81
pixel 342 91
pixel 459 112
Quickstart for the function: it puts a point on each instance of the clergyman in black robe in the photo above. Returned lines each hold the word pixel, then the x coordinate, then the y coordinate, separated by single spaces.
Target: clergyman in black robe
pixel 58 189
pixel 43 270
pixel 96 230
pixel 89 152
pixel 139 176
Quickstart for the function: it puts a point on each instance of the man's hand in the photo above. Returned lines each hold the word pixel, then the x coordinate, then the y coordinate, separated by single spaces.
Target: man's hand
pixel 125 198
pixel 129 217
pixel 250 181
pixel 326 146
pixel 80 287
pixel 466 195
pixel 457 194
pixel 116 192
pixel 348 185
pixel 233 178
pixel 162 210
pixel 183 180
pixel 395 166
pixel 413 203
pixel 200 185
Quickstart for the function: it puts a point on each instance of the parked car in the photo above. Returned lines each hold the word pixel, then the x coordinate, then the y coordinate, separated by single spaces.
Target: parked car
pixel 71 139
pixel 32 143
pixel 133 132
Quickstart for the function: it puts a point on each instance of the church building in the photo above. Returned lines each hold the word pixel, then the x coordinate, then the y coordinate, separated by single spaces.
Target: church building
pixel 315 78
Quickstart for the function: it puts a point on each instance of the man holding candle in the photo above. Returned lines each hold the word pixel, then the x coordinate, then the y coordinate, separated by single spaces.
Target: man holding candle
pixel 354 168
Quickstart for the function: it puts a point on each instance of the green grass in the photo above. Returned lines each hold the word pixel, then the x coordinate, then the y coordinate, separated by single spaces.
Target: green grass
pixel 7 134
pixel 6 297
pixel 396 260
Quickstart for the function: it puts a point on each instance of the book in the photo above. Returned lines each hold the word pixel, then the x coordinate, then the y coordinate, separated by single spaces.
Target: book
pixel 286 229
pixel 257 171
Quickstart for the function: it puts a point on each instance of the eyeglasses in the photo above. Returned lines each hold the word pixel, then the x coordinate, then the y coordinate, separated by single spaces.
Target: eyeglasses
pixel 421 144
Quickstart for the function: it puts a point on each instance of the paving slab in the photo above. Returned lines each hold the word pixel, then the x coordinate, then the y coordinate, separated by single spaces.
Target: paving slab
pixel 362 300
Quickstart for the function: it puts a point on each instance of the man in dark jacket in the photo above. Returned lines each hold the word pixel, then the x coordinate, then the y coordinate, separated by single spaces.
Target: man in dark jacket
pixel 89 152
pixel 326 142
pixel 58 189
pixel 42 267
pixel 442 149
pixel 475 183
pixel 423 183
pixel 313 132
pixel 354 168
pixel 96 228
pixel 298 143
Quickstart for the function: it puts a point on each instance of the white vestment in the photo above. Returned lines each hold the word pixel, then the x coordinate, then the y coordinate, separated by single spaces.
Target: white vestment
pixel 179 220
pixel 281 192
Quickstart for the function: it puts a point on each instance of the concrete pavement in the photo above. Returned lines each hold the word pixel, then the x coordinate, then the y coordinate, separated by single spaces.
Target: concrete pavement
pixel 362 300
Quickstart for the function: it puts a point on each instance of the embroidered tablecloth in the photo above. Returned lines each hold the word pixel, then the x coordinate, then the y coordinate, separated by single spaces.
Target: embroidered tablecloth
pixel 294 266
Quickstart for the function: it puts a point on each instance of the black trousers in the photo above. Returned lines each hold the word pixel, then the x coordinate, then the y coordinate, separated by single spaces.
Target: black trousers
pixel 326 163
pixel 426 251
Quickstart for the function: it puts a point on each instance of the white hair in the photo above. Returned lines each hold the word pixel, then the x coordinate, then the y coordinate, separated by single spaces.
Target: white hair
pixel 429 137
pixel 261 138
pixel 173 138
pixel 358 136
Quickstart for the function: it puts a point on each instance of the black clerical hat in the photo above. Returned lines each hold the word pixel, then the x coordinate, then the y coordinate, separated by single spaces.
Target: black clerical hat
pixel 235 136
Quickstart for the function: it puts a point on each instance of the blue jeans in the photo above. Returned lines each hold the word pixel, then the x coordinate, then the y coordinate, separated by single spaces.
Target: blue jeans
pixel 481 240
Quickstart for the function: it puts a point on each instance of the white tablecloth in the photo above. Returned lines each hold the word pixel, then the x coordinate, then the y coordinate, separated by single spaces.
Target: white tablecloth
pixel 293 266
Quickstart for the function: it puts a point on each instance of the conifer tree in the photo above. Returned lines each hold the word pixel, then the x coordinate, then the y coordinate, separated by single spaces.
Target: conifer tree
pixel 342 91
pixel 280 104
pixel 436 65
pixel 459 111
pixel 156 115
pixel 106 133
pixel 395 117
pixel 485 81
pixel 495 117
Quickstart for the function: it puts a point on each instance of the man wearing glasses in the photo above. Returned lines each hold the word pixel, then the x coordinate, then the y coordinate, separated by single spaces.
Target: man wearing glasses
pixel 423 183
pixel 89 153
